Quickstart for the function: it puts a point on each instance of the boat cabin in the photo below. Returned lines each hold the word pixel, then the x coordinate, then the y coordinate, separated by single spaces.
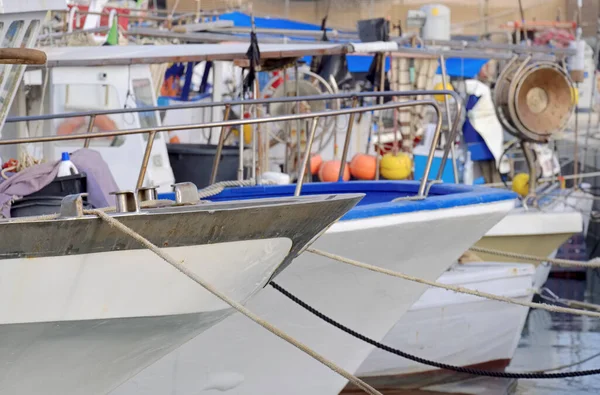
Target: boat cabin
pixel 90 80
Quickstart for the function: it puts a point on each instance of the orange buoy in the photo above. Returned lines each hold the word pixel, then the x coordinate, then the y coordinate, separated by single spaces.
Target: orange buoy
pixel 330 170
pixel 363 167
pixel 315 163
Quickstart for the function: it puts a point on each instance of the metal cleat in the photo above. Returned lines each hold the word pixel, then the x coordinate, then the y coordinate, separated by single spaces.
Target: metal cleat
pixel 145 194
pixel 186 193
pixel 126 202
pixel 71 206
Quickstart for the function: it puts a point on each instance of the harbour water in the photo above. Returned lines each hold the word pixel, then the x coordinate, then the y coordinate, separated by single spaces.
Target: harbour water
pixel 553 340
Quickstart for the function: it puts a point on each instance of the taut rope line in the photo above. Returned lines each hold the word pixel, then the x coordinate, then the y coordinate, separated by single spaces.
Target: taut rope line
pixel 533 305
pixel 237 306
pixel 591 264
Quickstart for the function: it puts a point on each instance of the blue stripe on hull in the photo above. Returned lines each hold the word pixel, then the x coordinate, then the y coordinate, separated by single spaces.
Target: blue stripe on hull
pixel 379 195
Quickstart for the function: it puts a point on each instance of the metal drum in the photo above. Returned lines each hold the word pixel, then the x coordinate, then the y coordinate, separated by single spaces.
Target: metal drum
pixel 533 99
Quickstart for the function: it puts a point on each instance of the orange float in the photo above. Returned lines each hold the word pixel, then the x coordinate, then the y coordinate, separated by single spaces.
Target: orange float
pixel 330 170
pixel 363 167
pixel 315 162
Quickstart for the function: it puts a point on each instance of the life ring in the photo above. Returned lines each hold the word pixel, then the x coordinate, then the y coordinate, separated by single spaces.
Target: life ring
pixel 75 124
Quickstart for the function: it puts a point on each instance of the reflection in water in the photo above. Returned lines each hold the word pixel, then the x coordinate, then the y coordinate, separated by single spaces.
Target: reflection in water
pixel 551 340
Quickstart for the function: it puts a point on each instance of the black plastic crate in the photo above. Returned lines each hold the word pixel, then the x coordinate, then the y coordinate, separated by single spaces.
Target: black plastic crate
pixel 63 186
pixel 194 162
pixel 39 205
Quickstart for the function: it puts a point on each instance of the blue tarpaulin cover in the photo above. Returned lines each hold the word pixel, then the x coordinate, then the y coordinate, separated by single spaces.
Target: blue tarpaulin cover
pixel 242 20
pixel 465 68
pixel 456 67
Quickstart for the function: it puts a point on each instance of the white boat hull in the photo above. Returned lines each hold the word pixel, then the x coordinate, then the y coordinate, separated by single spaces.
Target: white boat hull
pixel 82 324
pixel 245 359
pixel 538 233
pixel 455 329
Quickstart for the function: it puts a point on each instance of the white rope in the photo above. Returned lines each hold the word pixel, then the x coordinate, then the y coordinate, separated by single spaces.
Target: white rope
pixel 237 306
pixel 542 306
pixel 591 264
pixel 25 161
pixel 174 9
pixel 31 219
pixel 547 294
pixel 548 180
pixel 218 187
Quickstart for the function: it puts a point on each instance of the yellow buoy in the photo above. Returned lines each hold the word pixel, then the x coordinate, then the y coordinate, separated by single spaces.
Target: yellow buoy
pixel 575 95
pixel 395 167
pixel 247 134
pixel 520 184
pixel 440 87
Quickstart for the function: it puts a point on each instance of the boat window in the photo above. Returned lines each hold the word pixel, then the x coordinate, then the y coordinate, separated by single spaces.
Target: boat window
pixel 89 97
pixel 142 90
pixel 12 33
pixel 29 37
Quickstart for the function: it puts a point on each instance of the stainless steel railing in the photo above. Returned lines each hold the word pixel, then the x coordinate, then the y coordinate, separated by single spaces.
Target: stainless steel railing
pixel 355 97
pixel 151 132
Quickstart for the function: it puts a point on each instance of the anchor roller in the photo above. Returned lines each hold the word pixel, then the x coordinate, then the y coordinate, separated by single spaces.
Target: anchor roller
pixel 533 99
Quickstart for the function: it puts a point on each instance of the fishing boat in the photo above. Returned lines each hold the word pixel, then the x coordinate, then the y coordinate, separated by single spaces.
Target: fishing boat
pixel 86 305
pixel 538 231
pixel 347 299
pixel 228 378
pixel 541 230
pixel 484 333
pixel 439 330
pixel 422 222
pixel 86 316
pixel 415 237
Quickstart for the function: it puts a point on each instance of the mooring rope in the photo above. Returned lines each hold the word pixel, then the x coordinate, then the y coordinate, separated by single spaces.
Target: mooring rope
pixel 439 365
pixel 218 187
pixel 237 306
pixel 547 294
pixel 592 264
pixel 31 219
pixel 533 305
